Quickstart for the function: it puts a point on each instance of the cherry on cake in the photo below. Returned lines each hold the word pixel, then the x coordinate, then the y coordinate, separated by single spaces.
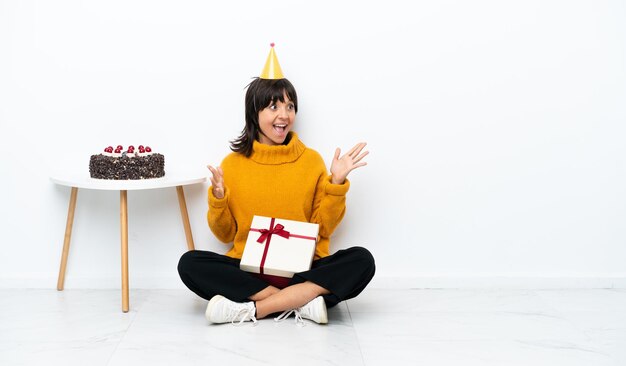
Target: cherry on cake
pixel 140 163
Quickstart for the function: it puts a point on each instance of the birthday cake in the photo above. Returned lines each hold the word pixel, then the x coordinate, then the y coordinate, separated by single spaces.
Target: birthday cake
pixel 130 164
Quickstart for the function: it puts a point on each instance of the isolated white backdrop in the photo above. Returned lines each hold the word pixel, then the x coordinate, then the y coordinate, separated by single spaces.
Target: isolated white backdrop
pixel 496 130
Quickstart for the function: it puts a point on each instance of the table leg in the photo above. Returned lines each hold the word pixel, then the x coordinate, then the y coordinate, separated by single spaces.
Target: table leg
pixel 124 229
pixel 68 235
pixel 183 212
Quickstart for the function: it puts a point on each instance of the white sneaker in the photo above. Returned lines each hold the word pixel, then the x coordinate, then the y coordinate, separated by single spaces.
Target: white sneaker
pixel 222 310
pixel 314 310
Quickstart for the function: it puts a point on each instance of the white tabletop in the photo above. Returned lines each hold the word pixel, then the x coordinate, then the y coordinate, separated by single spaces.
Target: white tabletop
pixel 85 181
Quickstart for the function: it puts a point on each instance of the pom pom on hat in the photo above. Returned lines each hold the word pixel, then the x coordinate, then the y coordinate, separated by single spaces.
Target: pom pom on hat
pixel 272 68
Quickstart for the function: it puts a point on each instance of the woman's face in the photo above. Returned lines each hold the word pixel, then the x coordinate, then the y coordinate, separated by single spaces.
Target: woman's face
pixel 276 120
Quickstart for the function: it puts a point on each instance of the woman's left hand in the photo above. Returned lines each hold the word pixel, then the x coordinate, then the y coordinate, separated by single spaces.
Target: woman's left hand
pixel 342 166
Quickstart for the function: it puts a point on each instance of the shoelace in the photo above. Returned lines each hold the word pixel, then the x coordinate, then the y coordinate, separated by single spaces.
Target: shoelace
pixel 298 317
pixel 244 313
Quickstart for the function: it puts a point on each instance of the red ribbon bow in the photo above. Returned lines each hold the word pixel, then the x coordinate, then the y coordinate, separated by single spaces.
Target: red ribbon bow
pixel 278 230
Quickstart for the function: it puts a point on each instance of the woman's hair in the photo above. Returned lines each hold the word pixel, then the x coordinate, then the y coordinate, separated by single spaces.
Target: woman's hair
pixel 261 93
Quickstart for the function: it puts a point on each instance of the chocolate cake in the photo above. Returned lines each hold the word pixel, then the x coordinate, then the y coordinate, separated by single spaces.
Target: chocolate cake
pixel 119 165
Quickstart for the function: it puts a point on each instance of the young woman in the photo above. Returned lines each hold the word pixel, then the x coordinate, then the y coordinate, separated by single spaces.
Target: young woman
pixel 272 173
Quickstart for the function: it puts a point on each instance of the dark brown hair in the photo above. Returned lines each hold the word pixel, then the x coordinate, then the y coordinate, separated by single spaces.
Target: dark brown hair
pixel 261 93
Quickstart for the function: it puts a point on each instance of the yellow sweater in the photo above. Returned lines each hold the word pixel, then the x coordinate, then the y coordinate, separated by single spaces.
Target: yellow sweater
pixel 287 181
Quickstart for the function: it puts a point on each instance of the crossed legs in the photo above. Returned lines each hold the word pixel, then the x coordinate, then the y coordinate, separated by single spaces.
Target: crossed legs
pixel 273 300
pixel 338 277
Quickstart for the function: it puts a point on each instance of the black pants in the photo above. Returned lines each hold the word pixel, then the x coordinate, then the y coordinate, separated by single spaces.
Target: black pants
pixel 345 274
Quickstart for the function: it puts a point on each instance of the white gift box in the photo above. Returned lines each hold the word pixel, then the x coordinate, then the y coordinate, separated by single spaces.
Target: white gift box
pixel 279 247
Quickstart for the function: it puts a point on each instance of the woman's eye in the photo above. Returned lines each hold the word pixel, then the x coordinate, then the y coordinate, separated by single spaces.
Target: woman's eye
pixel 273 107
pixel 291 107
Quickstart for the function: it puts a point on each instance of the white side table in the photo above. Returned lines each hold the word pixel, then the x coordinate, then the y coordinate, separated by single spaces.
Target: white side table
pixel 86 182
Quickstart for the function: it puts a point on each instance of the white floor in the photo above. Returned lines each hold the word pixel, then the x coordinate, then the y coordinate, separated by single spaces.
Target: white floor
pixel 380 327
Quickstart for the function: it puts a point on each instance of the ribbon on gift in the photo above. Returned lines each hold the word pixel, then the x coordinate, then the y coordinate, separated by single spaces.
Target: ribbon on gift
pixel 266 236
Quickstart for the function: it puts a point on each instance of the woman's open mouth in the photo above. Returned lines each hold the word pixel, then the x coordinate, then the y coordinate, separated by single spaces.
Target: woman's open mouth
pixel 280 128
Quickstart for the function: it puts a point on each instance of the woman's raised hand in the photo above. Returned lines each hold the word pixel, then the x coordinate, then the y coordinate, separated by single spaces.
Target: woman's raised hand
pixel 342 166
pixel 217 181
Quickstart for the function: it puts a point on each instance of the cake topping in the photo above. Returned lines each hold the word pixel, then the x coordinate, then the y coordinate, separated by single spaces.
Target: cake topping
pixel 130 151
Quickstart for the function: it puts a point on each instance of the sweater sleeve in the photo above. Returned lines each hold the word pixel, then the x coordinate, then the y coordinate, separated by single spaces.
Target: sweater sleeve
pixel 329 205
pixel 220 219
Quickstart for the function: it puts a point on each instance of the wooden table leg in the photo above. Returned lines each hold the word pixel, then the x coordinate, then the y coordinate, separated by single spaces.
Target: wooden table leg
pixel 183 212
pixel 124 227
pixel 68 235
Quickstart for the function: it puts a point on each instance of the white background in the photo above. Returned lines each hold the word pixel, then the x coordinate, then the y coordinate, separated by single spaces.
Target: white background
pixel 496 131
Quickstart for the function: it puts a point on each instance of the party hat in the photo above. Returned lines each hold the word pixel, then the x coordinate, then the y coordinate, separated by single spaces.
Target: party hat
pixel 272 68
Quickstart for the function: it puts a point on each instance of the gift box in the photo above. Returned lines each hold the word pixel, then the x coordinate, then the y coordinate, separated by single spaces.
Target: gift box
pixel 279 247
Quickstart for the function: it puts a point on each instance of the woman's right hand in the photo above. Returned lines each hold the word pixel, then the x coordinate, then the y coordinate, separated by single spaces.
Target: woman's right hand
pixel 217 181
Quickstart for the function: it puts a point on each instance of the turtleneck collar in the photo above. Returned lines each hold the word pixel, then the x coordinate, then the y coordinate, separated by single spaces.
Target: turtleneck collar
pixel 278 154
